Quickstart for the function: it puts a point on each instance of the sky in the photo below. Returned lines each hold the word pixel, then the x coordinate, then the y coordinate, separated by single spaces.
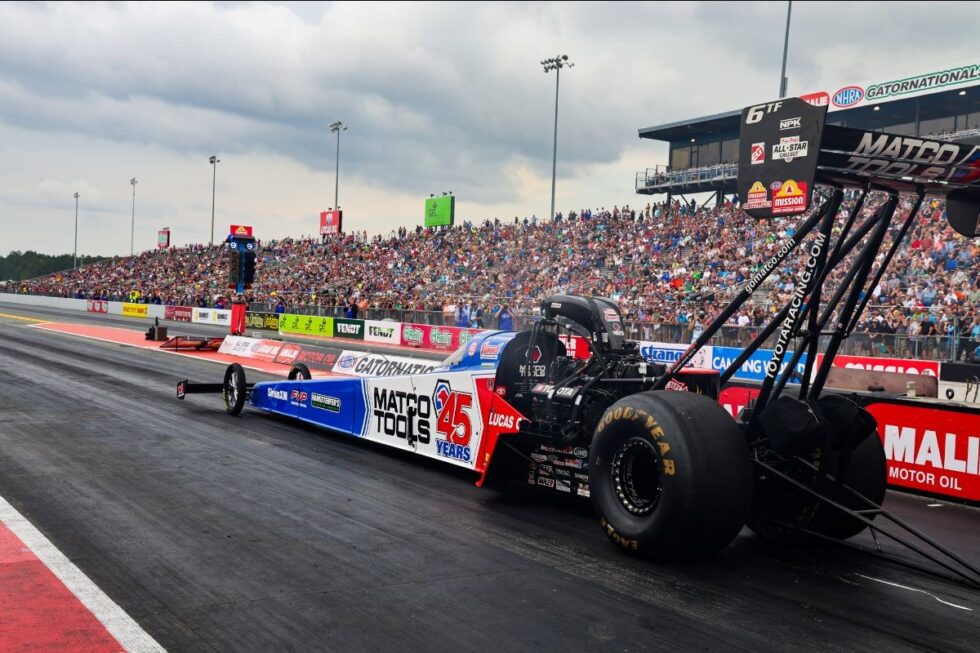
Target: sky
pixel 437 97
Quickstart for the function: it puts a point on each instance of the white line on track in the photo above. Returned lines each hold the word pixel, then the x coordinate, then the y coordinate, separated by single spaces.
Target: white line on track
pixel 120 625
pixel 913 589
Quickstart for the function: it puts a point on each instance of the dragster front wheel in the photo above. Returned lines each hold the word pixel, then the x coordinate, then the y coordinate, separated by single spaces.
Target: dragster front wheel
pixel 669 475
pixel 299 371
pixel 233 389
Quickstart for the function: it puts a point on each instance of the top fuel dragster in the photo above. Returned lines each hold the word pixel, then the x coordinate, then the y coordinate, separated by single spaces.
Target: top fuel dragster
pixel 669 472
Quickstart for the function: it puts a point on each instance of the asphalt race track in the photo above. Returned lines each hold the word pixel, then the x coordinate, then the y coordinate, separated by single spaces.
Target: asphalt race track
pixel 255 534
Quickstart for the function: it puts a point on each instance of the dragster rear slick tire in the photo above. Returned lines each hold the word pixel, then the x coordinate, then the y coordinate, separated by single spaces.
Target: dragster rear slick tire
pixel 233 391
pixel 300 371
pixel 669 475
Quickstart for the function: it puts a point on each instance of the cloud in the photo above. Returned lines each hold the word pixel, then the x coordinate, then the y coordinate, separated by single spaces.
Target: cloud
pixel 437 96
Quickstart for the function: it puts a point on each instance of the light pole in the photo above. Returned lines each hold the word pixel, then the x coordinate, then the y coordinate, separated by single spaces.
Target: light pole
pixel 214 179
pixel 337 127
pixel 74 264
pixel 132 225
pixel 782 75
pixel 555 64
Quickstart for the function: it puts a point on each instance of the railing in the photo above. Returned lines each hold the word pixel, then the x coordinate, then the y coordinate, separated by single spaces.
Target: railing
pixel 946 346
pixel 656 177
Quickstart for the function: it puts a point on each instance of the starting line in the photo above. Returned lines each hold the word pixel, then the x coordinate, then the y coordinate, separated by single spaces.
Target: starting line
pixel 47 603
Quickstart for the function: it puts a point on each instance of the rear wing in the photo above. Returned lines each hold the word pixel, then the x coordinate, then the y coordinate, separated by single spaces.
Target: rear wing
pixel 786 147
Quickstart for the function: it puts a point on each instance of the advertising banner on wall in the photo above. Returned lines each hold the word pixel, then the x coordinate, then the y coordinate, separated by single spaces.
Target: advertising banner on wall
pixel 96 306
pixel 178 313
pixel 253 348
pixel 211 316
pixel 306 325
pixel 344 328
pixel 754 369
pixel 879 364
pixel 134 310
pixel 315 358
pixel 427 336
pixel 667 354
pixel 388 333
pixel 930 449
pixel 268 321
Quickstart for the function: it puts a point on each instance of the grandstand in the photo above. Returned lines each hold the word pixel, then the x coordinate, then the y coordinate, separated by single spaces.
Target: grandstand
pixel 670 268
pixel 704 151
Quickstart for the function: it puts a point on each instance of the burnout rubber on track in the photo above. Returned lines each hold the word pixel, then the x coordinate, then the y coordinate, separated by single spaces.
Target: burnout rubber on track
pixel 255 534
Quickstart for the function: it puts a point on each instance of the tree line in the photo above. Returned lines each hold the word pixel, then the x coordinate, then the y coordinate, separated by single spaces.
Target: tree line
pixel 16 266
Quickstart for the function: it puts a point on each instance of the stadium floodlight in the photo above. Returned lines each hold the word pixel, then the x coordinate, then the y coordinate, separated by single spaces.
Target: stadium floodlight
pixel 337 127
pixel 962 92
pixel 74 265
pixel 132 224
pixel 556 64
pixel 783 82
pixel 214 180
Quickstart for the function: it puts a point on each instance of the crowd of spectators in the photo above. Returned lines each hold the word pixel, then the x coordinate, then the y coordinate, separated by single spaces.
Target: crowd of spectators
pixel 671 267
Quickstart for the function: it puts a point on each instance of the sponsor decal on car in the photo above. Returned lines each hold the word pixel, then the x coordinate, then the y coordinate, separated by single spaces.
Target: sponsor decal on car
pixel 757 154
pixel 281 395
pixel 325 402
pixel 400 414
pixel 789 148
pixel 490 351
pixel 508 422
pixel 366 365
pixel 582 491
pixel 790 197
pixel 546 482
pixel 758 197
pixel 789 123
pixel 453 421
pixel 539 457
pixel 562 486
